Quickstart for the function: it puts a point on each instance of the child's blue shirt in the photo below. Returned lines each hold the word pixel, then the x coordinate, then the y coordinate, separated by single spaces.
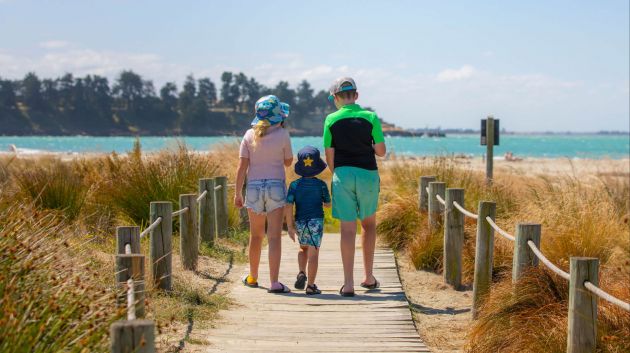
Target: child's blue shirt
pixel 308 194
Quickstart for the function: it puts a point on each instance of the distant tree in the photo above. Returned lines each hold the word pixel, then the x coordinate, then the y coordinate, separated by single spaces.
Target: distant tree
pixel 168 96
pixel 229 90
pixel 129 90
pixel 8 98
pixel 31 92
pixel 207 91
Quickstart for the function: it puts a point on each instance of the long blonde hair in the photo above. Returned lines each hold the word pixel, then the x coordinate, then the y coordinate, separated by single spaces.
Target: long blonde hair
pixel 260 131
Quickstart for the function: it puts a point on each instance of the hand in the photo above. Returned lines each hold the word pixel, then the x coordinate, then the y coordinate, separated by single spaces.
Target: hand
pixel 291 231
pixel 238 200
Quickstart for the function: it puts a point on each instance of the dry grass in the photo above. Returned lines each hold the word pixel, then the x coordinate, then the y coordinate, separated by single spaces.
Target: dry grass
pixel 579 218
pixel 57 222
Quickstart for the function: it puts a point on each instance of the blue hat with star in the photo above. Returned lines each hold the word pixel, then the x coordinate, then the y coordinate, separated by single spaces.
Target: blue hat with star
pixel 309 163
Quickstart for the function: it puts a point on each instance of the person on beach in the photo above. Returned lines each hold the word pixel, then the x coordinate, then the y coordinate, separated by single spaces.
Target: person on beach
pixel 265 151
pixel 310 195
pixel 352 138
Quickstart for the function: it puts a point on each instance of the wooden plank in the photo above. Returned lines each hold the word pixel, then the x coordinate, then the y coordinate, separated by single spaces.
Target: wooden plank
pixel 372 321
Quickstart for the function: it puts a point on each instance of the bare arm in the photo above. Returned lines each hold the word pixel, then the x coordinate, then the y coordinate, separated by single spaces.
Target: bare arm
pixel 288 216
pixel 380 149
pixel 241 171
pixel 330 158
pixel 288 162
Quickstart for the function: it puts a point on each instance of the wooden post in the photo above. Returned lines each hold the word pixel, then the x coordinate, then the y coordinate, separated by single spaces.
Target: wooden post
pixel 453 238
pixel 222 206
pixel 489 148
pixel 161 244
pixel 137 336
pixel 523 254
pixel 207 213
pixel 582 333
pixel 128 235
pixel 435 207
pixel 131 266
pixel 484 252
pixel 423 195
pixel 189 238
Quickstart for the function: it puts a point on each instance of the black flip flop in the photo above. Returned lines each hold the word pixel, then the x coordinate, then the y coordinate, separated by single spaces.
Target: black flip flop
pixel 374 285
pixel 284 289
pixel 345 294
pixel 313 290
pixel 301 280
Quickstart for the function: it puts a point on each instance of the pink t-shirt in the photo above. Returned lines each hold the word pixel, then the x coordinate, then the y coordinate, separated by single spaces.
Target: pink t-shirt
pixel 266 161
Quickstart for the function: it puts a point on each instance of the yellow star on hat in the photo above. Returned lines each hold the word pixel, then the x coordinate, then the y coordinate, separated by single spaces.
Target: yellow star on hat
pixel 308 162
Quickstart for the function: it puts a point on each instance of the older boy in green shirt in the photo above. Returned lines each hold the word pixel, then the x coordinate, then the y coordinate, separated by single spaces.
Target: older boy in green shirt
pixel 352 138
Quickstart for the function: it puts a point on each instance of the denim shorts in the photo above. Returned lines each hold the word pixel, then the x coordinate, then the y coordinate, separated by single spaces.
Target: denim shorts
pixel 265 195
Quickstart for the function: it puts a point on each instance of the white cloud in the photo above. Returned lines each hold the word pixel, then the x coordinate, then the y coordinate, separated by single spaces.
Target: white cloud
pixel 464 72
pixel 54 44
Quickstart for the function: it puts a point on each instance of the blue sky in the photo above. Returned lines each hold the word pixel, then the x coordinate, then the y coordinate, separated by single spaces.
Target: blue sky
pixel 536 65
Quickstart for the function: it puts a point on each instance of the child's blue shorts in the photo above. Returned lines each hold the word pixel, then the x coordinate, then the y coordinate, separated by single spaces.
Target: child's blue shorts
pixel 310 231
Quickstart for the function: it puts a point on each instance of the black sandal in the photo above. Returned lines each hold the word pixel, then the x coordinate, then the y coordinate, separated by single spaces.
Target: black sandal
pixel 374 285
pixel 345 294
pixel 283 289
pixel 312 290
pixel 301 280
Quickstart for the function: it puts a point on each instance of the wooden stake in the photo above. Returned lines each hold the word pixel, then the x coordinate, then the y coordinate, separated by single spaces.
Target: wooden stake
pixel 189 237
pixel 484 252
pixel 161 244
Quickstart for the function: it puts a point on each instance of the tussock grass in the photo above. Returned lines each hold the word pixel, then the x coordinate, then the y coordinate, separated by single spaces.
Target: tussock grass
pixel 49 301
pixel 579 217
pixel 132 182
pixel 54 185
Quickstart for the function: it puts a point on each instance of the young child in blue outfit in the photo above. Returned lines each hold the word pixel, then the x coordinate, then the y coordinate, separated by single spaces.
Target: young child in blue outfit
pixel 309 195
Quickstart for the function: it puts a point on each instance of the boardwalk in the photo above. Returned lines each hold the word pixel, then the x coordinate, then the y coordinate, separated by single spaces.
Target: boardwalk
pixel 376 321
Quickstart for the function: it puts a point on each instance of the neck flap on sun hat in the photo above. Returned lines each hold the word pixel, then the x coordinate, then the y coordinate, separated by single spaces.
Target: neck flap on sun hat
pixel 269 111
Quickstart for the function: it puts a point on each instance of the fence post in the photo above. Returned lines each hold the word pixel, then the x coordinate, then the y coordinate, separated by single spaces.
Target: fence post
pixel 128 235
pixel 222 206
pixel 136 336
pixel 423 196
pixel 207 213
pixel 435 207
pixel 523 254
pixel 131 266
pixel 189 238
pixel 582 330
pixel 161 244
pixel 484 252
pixel 453 238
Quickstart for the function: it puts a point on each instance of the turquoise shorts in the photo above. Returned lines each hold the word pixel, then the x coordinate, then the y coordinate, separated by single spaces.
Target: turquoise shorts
pixel 354 193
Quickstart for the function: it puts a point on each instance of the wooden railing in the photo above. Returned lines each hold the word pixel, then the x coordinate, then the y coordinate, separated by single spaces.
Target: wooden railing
pixel 445 206
pixel 202 217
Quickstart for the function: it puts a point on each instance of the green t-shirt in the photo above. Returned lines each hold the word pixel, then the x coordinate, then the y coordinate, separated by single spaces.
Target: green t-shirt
pixel 352 131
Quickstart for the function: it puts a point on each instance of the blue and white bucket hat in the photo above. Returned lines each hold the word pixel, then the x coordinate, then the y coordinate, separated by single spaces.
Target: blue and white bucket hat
pixel 268 111
pixel 285 109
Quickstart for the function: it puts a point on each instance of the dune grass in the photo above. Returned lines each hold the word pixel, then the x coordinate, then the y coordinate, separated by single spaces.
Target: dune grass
pixel 580 217
pixel 57 226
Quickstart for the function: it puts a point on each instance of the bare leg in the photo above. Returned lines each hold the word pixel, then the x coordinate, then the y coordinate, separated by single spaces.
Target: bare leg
pixel 348 236
pixel 313 258
pixel 256 235
pixel 368 243
pixel 302 258
pixel 274 229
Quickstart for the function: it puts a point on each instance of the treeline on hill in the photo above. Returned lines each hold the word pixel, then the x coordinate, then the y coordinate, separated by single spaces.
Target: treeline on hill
pixel 71 105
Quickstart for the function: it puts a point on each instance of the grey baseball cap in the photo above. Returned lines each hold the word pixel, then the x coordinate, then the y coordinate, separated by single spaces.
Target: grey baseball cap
pixel 341 84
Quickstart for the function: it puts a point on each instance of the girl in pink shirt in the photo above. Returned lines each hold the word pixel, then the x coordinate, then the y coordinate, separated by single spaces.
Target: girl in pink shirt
pixel 265 151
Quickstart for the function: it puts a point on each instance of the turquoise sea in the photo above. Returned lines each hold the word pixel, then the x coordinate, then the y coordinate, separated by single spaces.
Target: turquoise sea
pixel 550 146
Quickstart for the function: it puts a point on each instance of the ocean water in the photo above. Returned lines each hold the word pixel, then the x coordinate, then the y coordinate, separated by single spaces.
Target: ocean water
pixel 549 146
